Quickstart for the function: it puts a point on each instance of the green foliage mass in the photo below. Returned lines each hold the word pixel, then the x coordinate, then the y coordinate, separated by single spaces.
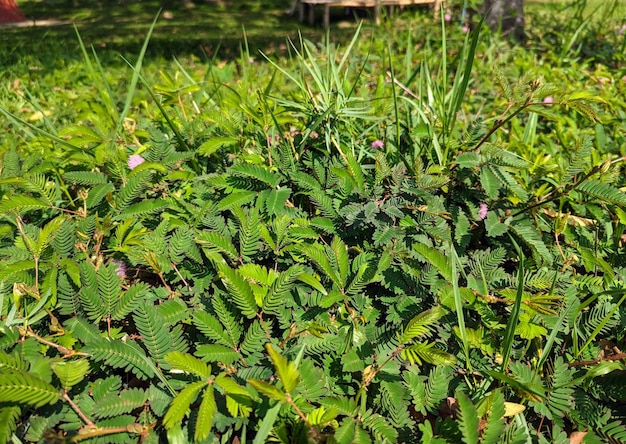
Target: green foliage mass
pixel 265 272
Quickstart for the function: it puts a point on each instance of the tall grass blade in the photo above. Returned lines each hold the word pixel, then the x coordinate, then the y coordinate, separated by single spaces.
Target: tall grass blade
pixel 135 79
pixel 509 335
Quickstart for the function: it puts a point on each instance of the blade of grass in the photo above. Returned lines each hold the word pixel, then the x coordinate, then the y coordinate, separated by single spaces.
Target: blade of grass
pixel 458 306
pixel 134 80
pixel 107 96
pixel 509 335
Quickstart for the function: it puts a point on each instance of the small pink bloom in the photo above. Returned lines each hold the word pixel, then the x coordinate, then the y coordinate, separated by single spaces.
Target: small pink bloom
pixel 447 17
pixel 466 29
pixel 548 100
pixel 482 212
pixel 120 269
pixel 134 161
pixel 377 144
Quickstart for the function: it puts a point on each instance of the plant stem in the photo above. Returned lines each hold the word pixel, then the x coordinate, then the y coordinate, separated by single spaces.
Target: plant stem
pixel 97 431
pixel 78 411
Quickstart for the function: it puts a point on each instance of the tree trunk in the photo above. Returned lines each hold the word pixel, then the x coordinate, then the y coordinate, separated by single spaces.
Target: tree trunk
pixel 10 12
pixel 506 15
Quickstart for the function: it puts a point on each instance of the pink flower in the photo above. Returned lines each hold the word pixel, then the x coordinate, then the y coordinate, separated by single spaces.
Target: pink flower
pixel 447 17
pixel 134 161
pixel 120 268
pixel 377 144
pixel 548 100
pixel 465 28
pixel 482 212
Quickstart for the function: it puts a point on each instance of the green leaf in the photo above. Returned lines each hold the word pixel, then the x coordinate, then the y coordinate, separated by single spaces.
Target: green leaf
pixel 217 353
pixel 340 259
pixel 422 324
pixel 331 299
pixel 47 234
pixel 19 204
pixel 188 364
pixel 143 208
pixel 207 410
pixel 239 290
pixel 116 404
pixel 236 199
pixel 211 328
pixel 70 373
pixel 154 332
pixel 258 172
pixel 275 202
pixel 495 423
pixel 27 389
pixel 16 267
pixel 287 371
pixel 489 182
pixel 603 192
pixel 215 143
pixel 280 289
pixel 269 390
pixel 468 160
pixel 180 405
pixel 436 259
pixel 467 419
pixel 317 255
pixel 122 355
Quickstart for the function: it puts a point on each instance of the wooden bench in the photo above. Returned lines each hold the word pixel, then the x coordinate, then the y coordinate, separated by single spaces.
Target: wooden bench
pixel 376 4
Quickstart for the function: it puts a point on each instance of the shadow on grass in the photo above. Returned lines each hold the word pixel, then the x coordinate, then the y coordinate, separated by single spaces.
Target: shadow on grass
pixel 184 28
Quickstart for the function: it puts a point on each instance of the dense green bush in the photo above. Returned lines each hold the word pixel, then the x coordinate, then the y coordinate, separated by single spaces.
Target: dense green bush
pixel 352 251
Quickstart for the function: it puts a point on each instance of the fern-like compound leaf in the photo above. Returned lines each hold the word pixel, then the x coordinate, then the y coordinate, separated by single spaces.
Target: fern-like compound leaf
pixel 19 204
pixel 287 371
pixel 12 363
pixel 71 373
pixel 257 172
pixel 467 419
pixel 280 288
pixel 130 301
pixel 228 317
pixel 121 403
pixel 9 417
pixel 188 364
pixel 495 422
pixel 320 258
pixel 109 288
pixel 26 389
pixel 179 407
pixel 249 234
pixel 239 290
pixel 207 410
pixel 531 237
pixel 130 191
pixel 422 324
pixel 380 427
pixel 86 177
pixel 436 259
pixel 118 354
pixel 211 328
pixel 154 332
pixel 603 192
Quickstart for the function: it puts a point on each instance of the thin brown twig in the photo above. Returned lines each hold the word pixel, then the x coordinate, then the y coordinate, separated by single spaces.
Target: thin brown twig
pixel 66 351
pixel 78 411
